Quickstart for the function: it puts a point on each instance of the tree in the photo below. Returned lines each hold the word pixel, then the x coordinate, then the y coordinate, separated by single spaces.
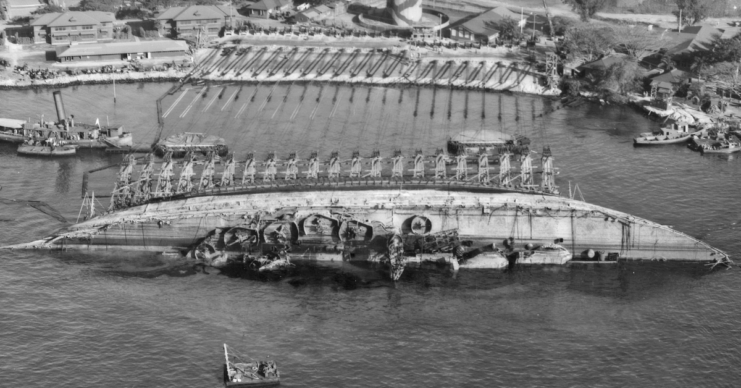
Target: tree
pixel 49 8
pixel 694 11
pixel 561 24
pixel 587 42
pixel 638 41
pixel 508 28
pixel 99 5
pixel 586 8
pixel 622 77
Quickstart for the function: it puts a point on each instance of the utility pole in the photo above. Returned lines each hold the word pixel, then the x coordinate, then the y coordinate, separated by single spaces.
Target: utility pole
pixel 550 21
pixel 522 16
pixel 679 27
pixel 533 15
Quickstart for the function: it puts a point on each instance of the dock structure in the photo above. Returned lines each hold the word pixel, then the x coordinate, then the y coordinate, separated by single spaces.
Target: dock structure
pixel 356 65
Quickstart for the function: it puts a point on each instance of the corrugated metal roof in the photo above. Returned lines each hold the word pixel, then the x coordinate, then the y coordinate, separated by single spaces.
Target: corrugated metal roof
pixel 150 46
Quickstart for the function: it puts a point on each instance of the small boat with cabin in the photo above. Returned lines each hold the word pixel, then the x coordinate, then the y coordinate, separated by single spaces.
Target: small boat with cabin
pixel 471 141
pixel 553 254
pixel 46 149
pixel 721 147
pixel 676 133
pixel 11 130
pixel 240 371
pixel 181 143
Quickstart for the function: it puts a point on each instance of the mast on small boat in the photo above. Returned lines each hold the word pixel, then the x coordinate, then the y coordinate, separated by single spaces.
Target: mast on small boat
pixel 226 359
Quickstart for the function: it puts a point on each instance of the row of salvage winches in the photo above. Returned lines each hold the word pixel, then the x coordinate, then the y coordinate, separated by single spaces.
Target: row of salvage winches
pixel 427 171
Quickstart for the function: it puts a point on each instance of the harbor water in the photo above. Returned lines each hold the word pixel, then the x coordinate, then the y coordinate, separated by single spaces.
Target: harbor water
pixel 142 320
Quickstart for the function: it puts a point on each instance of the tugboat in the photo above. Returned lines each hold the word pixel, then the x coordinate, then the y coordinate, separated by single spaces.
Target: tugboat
pixel 675 134
pixel 242 373
pixel 65 130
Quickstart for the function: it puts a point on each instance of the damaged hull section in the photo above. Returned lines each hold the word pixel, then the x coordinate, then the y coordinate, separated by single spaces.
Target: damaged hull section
pixel 313 221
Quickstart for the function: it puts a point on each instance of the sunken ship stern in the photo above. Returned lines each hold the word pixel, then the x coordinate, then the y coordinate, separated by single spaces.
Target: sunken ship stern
pixel 312 222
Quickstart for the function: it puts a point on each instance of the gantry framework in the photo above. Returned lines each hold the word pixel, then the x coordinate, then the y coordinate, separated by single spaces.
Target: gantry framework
pixel 485 171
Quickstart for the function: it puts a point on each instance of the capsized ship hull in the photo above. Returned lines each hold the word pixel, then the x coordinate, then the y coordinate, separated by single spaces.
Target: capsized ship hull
pixel 482 218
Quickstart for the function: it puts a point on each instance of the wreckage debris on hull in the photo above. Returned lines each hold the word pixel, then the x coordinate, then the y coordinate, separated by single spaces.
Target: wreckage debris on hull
pixel 278 222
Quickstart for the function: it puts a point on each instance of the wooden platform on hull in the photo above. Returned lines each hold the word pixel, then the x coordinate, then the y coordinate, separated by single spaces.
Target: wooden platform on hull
pixel 354 185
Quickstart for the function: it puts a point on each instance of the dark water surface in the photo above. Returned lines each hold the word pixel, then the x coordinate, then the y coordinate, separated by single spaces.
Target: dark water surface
pixel 122 320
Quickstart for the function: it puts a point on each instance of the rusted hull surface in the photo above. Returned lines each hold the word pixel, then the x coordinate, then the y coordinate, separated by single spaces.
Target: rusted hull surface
pixel 485 219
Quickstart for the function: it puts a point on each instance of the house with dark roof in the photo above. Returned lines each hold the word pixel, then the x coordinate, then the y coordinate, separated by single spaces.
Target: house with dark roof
pixel 184 22
pixel 483 28
pixel 669 82
pixel 695 38
pixel 69 27
pixel 266 8
pixel 314 14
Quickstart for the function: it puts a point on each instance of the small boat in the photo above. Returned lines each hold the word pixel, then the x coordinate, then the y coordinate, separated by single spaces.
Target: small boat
pixel 472 141
pixel 45 150
pixel 544 254
pixel 12 130
pixel 396 256
pixel 675 134
pixel 721 147
pixel 486 260
pixel 182 143
pixel 239 372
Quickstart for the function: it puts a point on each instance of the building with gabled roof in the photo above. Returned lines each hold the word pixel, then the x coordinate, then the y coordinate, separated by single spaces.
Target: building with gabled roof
pixel 73 26
pixel 148 49
pixel 484 27
pixel 695 38
pixel 265 8
pixel 184 22
pixel 314 14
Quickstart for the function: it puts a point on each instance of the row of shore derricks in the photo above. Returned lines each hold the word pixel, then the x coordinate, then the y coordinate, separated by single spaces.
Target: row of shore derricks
pixel 425 171
pixel 267 243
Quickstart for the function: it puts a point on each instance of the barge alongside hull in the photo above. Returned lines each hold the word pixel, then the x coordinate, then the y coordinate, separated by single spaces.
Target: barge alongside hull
pixel 483 218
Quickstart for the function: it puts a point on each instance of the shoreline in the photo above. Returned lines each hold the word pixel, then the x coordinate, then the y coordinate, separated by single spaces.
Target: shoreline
pixel 94 79
pixel 171 76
